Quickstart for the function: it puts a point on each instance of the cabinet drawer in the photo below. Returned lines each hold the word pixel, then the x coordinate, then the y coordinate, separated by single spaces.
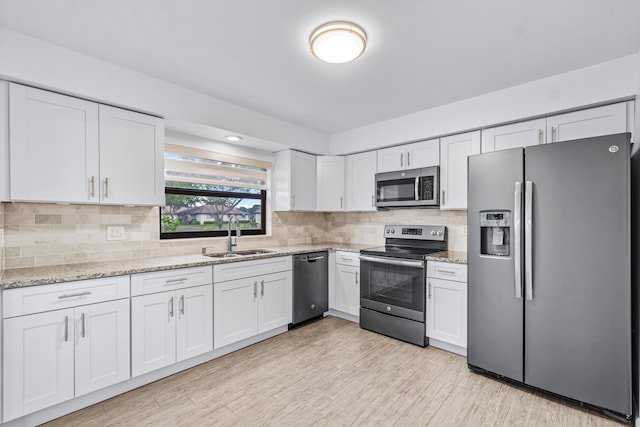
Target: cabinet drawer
pixel 348 258
pixel 36 299
pixel 170 280
pixel 447 271
pixel 241 269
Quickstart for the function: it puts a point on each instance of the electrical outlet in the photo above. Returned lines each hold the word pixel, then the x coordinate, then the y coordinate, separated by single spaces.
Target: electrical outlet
pixel 464 230
pixel 115 232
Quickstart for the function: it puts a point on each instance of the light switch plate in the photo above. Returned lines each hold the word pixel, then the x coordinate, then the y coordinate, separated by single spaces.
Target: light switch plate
pixel 115 232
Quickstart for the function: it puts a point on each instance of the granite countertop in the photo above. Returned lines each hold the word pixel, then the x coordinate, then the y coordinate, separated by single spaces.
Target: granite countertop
pixel 20 277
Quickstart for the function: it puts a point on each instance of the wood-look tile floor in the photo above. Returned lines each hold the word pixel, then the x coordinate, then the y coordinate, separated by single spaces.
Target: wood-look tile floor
pixel 333 373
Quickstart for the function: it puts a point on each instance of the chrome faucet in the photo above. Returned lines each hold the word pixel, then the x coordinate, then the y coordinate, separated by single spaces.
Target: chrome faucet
pixel 238 233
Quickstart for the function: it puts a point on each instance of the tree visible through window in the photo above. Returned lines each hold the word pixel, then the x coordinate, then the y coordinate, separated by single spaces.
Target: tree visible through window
pixel 203 210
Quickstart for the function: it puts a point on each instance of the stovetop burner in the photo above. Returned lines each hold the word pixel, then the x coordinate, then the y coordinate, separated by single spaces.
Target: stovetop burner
pixel 410 242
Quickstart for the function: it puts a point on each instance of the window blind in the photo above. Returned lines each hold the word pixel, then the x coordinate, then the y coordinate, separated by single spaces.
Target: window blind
pixel 196 166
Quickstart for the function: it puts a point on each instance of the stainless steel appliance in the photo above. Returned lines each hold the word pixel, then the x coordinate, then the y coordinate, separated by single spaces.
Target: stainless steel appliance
pixel 549 269
pixel 310 286
pixel 408 188
pixel 393 281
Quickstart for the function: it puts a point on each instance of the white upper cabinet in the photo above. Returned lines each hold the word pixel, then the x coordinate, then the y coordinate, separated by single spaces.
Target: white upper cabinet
pixel 131 157
pixel 330 183
pixel 66 149
pixel 454 151
pixel 605 120
pixel 522 134
pixel 409 156
pixel 360 181
pixel 294 181
pixel 4 141
pixel 53 147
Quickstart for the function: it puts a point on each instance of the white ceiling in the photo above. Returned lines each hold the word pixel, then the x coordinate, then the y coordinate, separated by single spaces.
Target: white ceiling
pixel 421 53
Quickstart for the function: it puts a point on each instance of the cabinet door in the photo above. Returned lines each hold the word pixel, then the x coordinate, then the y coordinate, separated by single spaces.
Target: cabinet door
pixel 447 311
pixel 275 306
pixel 195 322
pixel 392 159
pixel 348 289
pixel 153 332
pixel 131 157
pixel 605 120
pixel 423 154
pixel 521 134
pixel 38 362
pixel 303 181
pixel 361 181
pixel 102 345
pixel 453 168
pixel 4 141
pixel 330 183
pixel 53 146
pixel 235 312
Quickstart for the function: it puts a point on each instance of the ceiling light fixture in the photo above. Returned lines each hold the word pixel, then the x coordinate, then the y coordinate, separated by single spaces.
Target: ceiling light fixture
pixel 337 42
pixel 234 138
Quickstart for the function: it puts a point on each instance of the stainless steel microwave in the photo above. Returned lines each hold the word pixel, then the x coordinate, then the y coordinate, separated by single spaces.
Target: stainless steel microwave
pixel 409 188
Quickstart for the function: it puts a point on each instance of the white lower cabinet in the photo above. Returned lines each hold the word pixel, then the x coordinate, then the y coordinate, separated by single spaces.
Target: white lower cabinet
pixel 170 326
pixel 447 305
pixel 347 283
pixel 247 306
pixel 53 356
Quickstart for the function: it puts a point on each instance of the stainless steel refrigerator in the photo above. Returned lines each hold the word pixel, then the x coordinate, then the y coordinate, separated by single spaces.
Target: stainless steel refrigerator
pixel 549 269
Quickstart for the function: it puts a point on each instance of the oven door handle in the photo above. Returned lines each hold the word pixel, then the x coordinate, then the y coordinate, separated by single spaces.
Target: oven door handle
pixel 393 261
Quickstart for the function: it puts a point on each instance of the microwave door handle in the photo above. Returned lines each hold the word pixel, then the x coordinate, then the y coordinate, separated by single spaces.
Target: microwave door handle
pixel 416 188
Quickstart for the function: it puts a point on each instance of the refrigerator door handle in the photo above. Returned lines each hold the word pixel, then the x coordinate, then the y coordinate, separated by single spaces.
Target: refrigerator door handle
pixel 517 231
pixel 528 243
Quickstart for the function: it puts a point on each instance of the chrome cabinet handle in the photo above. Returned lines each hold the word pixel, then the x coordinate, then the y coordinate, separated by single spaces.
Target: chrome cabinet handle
pixel 553 133
pixel 528 235
pixel 340 202
pixel 66 328
pixel 408 159
pixel 93 186
pixel 106 188
pixel 356 277
pixel 182 304
pixel 443 199
pixel 180 280
pixel 78 294
pixel 401 158
pixel 416 188
pixel 262 288
pixel 83 325
pixel 373 201
pixel 293 201
pixel 539 136
pixel 255 289
pixel 171 307
pixel 429 290
pixel 517 231
pixel 445 272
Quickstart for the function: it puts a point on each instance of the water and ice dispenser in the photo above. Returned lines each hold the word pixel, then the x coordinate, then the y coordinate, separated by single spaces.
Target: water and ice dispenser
pixel 495 233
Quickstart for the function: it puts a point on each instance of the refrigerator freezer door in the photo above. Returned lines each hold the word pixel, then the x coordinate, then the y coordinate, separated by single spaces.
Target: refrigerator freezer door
pixel 495 310
pixel 578 324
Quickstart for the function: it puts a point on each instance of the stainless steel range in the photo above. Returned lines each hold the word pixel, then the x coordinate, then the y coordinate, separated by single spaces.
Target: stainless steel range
pixel 393 281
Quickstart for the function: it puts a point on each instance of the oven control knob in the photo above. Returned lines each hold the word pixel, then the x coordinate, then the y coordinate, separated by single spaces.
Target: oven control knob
pixel 388 308
pixel 393 231
pixel 313 306
pixel 439 232
pixel 433 232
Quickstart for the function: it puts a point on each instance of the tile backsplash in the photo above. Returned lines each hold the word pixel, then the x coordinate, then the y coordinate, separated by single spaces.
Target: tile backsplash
pixel 41 234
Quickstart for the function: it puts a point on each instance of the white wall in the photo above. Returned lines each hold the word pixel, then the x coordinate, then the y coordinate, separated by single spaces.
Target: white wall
pixel 29 60
pixel 608 81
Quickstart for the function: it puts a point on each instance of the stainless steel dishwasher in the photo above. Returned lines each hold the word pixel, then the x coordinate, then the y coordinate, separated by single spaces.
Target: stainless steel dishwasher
pixel 310 286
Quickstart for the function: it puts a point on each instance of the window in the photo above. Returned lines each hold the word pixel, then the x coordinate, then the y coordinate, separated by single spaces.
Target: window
pixel 205 190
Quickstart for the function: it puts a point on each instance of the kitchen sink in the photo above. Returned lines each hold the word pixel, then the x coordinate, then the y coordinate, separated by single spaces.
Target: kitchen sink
pixel 223 255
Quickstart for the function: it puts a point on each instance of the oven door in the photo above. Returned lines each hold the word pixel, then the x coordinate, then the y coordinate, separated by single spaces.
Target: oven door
pixel 393 286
